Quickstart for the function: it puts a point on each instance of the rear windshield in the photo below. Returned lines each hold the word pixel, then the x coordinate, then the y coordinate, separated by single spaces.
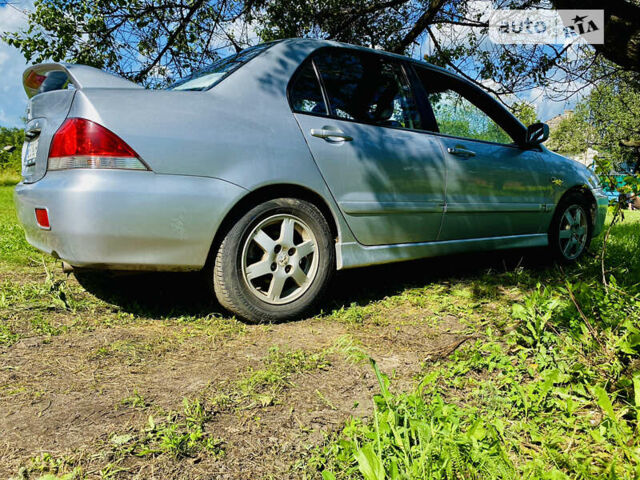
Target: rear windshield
pixel 213 73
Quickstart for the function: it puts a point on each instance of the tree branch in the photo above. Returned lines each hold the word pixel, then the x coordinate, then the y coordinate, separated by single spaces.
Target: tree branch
pixel 420 26
pixel 463 74
pixel 183 24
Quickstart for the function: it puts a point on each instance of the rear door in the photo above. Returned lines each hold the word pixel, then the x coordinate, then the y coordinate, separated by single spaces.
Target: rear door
pixel 365 133
pixel 494 186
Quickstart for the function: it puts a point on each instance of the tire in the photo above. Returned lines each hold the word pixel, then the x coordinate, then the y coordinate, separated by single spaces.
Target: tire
pixel 570 232
pixel 275 263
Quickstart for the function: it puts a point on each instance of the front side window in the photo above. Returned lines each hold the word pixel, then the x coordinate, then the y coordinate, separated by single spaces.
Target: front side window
pixel 367 88
pixel 207 77
pixel 455 112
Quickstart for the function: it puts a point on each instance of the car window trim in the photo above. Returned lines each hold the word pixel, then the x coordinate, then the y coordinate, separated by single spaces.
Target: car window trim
pixel 409 86
pixel 486 142
pixel 294 78
pixel 427 115
pixel 323 91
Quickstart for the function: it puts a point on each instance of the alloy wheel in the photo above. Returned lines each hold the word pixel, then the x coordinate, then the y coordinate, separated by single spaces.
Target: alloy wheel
pixel 573 231
pixel 280 259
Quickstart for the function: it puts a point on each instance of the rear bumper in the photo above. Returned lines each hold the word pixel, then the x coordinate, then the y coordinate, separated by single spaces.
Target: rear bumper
pixel 125 219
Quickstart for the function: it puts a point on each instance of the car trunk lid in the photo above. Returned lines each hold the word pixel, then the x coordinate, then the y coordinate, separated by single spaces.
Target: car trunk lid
pixel 51 88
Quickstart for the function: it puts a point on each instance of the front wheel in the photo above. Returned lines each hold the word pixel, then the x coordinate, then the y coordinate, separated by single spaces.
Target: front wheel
pixel 275 262
pixel 571 229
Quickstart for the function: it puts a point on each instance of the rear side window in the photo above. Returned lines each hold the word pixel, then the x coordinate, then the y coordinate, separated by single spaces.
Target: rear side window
pixel 305 93
pixel 367 88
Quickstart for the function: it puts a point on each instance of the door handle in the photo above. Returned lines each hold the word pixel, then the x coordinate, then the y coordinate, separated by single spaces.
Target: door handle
pixel 461 152
pixel 330 134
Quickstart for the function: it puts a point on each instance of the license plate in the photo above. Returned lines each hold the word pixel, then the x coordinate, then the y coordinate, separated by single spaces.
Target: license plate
pixel 31 152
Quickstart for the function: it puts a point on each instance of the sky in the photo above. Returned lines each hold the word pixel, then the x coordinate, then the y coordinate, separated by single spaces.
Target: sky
pixel 13 99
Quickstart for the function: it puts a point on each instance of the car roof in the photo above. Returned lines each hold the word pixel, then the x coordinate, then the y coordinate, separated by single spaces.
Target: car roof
pixel 333 43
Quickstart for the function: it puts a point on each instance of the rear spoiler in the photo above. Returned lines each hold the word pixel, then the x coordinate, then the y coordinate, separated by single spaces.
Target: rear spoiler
pixel 46 77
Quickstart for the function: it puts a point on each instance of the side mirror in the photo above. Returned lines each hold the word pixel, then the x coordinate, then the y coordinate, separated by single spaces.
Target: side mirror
pixel 537 134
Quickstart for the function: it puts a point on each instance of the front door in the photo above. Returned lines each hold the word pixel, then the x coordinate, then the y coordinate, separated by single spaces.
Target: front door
pixel 363 130
pixel 494 187
pixel 498 191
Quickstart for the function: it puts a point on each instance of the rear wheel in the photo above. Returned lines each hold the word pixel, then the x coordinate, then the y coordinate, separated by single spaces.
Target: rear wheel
pixel 571 229
pixel 275 262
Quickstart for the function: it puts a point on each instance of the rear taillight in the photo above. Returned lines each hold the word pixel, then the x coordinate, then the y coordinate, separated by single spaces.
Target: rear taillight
pixel 81 143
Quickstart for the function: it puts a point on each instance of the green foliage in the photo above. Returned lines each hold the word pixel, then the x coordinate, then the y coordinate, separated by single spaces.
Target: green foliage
pixel 571 136
pixel 179 434
pixel 414 436
pixel 14 249
pixel 605 120
pixel 612 110
pixel 7 335
pixel 525 112
pixel 534 314
pixel 75 475
pixel 125 37
pixel 350 349
pixel 262 386
pixel 10 163
pixel 176 434
pixel 135 400
pixel 54 468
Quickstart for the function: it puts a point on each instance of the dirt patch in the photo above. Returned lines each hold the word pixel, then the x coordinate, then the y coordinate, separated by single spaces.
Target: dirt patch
pixel 64 391
pixel 63 394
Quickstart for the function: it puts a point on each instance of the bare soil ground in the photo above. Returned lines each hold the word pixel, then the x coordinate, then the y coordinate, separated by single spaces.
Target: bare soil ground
pixel 81 351
pixel 62 393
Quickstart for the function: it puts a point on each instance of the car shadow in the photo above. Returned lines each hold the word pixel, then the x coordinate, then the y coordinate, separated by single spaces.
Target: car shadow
pixel 363 285
pixel 170 295
pixel 152 294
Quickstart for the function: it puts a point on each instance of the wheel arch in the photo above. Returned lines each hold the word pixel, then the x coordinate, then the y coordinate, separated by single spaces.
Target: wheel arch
pixel 585 191
pixel 269 192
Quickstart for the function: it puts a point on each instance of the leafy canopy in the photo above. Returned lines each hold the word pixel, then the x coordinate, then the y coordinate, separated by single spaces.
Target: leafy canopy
pixel 157 41
pixel 608 120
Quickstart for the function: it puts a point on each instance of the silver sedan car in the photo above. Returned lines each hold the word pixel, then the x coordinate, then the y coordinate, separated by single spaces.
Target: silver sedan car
pixel 274 167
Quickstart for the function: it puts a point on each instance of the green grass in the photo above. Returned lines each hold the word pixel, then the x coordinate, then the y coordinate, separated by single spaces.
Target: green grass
pixel 263 386
pixel 556 395
pixel 14 249
pixel 9 179
pixel 135 400
pixel 179 434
